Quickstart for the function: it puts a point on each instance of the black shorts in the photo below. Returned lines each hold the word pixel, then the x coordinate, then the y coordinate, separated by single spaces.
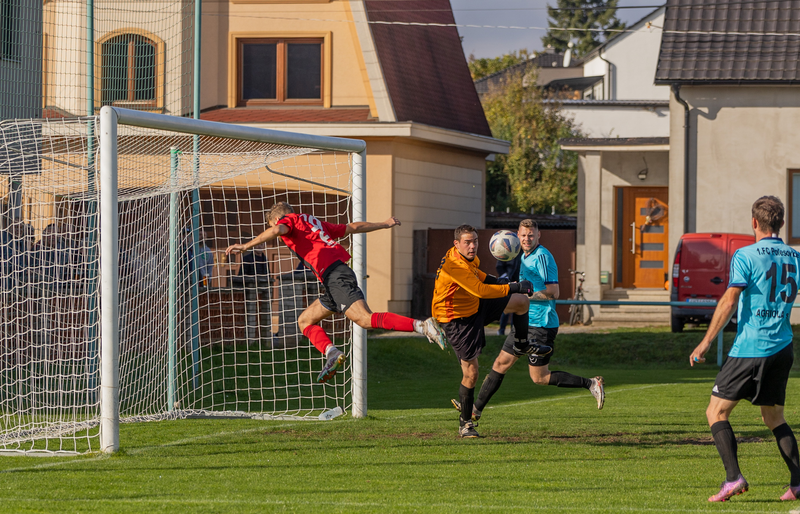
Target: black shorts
pixel 466 335
pixel 341 288
pixel 761 380
pixel 538 335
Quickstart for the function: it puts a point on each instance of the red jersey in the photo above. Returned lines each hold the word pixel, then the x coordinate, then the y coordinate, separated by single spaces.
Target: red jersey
pixel 314 241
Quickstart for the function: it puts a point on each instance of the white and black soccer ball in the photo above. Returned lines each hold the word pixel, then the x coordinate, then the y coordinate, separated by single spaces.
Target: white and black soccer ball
pixel 504 245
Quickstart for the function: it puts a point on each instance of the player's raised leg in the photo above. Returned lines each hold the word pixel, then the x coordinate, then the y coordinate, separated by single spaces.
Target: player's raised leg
pixel 362 316
pixel 518 305
pixel 309 325
pixel 541 375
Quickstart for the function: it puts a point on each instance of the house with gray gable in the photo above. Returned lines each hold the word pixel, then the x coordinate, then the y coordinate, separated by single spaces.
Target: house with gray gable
pixel 731 70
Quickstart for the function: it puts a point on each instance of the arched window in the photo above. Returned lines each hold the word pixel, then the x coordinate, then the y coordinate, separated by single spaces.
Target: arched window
pixel 130 65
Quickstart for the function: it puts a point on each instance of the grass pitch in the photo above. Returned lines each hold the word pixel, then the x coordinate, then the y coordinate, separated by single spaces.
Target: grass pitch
pixel 544 449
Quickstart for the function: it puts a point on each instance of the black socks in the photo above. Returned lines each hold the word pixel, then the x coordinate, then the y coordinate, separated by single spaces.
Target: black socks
pixel 467 397
pixel 787 445
pixel 564 379
pixel 520 322
pixel 725 441
pixel 490 386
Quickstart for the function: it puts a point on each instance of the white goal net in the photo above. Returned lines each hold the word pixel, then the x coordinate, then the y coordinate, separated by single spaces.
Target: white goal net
pixel 191 332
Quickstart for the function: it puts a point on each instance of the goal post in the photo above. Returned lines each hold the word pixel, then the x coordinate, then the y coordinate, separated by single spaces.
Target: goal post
pixel 110 119
pixel 118 301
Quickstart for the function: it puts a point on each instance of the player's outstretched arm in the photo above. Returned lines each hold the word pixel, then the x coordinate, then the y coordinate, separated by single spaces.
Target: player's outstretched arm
pixel 270 234
pixel 722 315
pixel 360 227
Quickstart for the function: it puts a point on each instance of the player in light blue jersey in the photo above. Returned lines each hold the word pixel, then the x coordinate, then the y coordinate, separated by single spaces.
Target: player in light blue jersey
pixel 763 286
pixel 539 268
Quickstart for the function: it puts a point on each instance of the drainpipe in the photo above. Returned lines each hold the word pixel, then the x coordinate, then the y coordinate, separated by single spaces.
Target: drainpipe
pixel 610 66
pixel 676 90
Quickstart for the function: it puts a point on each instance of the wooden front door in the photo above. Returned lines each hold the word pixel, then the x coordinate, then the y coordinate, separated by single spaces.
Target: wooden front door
pixel 641 237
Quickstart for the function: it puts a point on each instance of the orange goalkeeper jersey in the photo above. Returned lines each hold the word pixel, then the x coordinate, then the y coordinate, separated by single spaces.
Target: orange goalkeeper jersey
pixel 459 287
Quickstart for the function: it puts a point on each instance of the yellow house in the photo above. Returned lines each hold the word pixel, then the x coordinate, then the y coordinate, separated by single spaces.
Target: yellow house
pixel 329 68
pixel 348 68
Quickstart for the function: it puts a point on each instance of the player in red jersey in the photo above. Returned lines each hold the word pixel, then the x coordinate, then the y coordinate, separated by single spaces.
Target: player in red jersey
pixel 314 241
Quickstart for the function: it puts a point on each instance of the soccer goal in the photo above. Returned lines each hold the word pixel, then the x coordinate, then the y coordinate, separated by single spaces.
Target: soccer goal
pixel 118 301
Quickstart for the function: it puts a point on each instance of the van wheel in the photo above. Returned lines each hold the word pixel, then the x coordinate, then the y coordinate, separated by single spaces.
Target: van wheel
pixel 677 324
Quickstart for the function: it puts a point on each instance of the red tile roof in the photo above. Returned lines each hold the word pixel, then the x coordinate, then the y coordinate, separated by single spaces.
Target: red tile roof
pixel 299 115
pixel 52 113
pixel 425 69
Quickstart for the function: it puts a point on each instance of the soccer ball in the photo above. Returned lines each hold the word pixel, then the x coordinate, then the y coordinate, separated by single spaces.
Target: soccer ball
pixel 504 245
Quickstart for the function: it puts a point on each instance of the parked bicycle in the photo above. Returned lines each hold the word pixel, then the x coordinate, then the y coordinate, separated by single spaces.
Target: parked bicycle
pixel 576 311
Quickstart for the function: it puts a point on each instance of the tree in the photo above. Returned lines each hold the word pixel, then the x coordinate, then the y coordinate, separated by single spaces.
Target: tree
pixel 536 174
pixel 581 15
pixel 484 66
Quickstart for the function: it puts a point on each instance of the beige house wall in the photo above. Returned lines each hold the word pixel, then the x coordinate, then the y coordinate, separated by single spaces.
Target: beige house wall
pixel 65 53
pixel 223 22
pixel 621 169
pixel 677 195
pixel 743 140
pixel 424 175
pixel 587 251
pixel 599 172
pixel 425 186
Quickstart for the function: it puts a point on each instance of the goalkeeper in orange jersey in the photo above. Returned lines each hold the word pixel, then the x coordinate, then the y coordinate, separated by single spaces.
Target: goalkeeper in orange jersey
pixel 465 300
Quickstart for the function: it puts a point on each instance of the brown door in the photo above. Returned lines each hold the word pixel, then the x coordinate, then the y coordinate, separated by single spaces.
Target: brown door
pixel 642 234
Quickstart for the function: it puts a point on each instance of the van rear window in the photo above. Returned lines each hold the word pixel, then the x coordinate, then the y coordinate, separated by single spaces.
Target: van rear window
pixel 706 254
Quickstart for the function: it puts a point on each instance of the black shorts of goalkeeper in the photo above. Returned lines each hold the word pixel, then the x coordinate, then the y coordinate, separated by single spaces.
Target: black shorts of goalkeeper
pixel 466 335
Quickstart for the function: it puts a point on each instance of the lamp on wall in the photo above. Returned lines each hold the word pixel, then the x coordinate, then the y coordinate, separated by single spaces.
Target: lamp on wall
pixel 643 173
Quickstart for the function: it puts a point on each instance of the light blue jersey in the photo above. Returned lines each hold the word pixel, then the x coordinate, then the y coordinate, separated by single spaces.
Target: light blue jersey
pixel 768 272
pixel 539 268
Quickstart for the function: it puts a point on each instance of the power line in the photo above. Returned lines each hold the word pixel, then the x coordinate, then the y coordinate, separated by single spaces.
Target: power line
pixel 648 26
pixel 419 24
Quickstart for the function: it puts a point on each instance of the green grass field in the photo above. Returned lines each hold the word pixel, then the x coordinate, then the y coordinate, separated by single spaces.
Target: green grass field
pixel 543 449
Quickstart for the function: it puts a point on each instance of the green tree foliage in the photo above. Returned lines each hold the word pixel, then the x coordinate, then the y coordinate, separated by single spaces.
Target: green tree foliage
pixel 480 68
pixel 581 14
pixel 536 173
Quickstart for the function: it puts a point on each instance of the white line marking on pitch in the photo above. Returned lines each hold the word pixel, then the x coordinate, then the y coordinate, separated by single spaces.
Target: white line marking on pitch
pixel 387 505
pixel 144 449
pixel 136 451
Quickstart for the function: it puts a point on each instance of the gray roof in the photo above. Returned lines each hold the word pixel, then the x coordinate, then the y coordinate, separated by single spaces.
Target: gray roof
pixel 574 83
pixel 543 60
pixel 610 103
pixel 727 42
pixel 613 141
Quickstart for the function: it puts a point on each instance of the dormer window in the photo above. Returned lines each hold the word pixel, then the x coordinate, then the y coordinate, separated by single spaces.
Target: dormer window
pixel 279 71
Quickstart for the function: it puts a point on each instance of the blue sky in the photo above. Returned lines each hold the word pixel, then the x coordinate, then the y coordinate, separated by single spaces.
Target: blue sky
pixel 486 42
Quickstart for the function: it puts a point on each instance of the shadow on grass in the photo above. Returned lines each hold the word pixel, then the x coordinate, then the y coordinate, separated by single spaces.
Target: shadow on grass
pixel 411 374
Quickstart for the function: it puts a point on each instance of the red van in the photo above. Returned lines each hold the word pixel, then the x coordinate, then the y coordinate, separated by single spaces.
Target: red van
pixel 700 274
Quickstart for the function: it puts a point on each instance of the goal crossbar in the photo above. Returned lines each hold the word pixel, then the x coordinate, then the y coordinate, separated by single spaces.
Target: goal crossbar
pixel 110 119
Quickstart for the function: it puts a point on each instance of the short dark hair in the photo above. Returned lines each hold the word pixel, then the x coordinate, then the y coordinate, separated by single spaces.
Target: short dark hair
pixel 463 229
pixel 768 212
pixel 528 223
pixel 279 210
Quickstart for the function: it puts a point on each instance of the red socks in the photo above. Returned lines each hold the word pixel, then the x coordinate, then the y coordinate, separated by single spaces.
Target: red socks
pixel 391 321
pixel 384 320
pixel 318 337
